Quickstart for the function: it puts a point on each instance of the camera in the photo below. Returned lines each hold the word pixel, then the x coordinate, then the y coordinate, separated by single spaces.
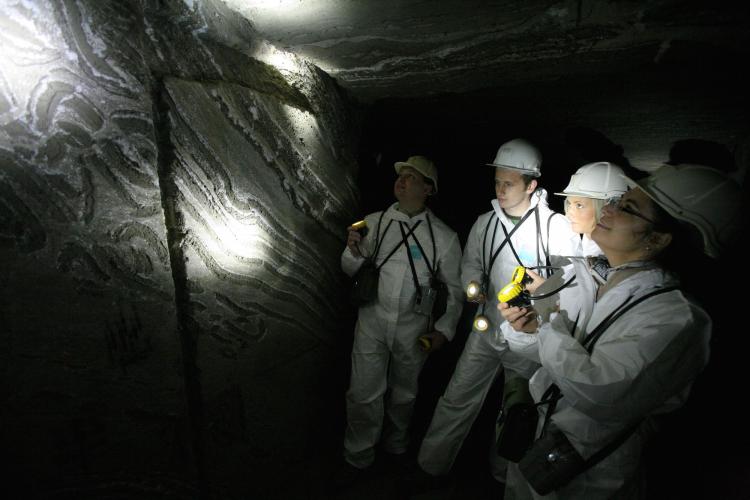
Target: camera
pixel 425 300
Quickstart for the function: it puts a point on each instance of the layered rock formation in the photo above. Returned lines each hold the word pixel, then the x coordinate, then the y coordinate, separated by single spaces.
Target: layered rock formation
pixel 173 207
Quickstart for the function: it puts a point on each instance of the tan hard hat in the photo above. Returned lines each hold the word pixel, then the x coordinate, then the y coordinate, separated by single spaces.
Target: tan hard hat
pixel 421 165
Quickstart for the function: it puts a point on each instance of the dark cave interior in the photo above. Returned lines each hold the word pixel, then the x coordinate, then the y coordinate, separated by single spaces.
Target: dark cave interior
pixel 175 183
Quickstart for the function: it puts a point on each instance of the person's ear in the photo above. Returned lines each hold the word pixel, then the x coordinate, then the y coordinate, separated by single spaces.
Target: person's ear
pixel 531 187
pixel 428 189
pixel 657 242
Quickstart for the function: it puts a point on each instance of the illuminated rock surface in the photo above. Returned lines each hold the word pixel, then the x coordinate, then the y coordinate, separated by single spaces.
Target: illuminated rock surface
pixel 172 218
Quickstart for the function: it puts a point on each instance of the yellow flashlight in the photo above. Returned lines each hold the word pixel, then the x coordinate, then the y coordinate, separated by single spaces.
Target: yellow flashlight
pixel 514 295
pixel 425 342
pixel 361 226
pixel 520 276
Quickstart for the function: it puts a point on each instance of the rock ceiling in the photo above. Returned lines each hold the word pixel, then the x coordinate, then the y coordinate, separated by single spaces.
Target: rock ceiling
pixel 380 49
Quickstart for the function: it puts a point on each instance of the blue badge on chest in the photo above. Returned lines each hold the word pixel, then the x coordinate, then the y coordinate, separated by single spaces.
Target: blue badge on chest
pixel 527 257
pixel 415 253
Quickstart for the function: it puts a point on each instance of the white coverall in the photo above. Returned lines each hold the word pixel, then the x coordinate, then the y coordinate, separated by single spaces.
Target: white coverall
pixel 386 354
pixel 481 361
pixel 642 365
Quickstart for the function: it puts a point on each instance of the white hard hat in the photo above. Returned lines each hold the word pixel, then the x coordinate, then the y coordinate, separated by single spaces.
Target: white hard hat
pixel 601 180
pixel 701 196
pixel 421 165
pixel 519 155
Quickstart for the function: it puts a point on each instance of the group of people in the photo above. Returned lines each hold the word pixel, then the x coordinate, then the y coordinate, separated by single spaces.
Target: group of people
pixel 616 344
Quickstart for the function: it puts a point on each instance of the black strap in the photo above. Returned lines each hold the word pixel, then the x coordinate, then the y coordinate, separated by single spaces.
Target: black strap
pixel 553 292
pixel 597 332
pixel 553 392
pixel 549 245
pixel 552 395
pixel 430 267
pixel 378 240
pixel 510 243
pixel 612 446
pixel 434 269
pixel 374 256
pixel 411 230
pixel 547 250
pixel 431 323
pixel 507 239
pixel 411 260
pixel 485 271
pixel 538 237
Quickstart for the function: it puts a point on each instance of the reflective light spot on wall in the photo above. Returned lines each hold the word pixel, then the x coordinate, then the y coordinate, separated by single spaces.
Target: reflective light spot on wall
pixel 269 16
pixel 237 241
pixel 232 237
pixel 27 54
pixel 235 244
pixel 283 61
pixel 304 124
pixel 286 63
pixel 279 11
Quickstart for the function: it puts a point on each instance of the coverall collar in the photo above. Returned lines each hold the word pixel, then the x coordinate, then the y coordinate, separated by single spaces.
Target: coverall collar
pixel 538 199
pixel 633 276
pixel 394 213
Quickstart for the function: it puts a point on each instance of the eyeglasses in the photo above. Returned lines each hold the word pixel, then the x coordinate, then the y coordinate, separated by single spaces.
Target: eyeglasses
pixel 616 203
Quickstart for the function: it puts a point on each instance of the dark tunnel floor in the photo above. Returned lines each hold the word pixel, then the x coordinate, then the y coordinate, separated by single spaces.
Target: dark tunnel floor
pixel 470 477
pixel 688 459
pixel 383 483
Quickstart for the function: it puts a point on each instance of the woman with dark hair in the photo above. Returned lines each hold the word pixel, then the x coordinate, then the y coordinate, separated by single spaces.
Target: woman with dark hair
pixel 626 342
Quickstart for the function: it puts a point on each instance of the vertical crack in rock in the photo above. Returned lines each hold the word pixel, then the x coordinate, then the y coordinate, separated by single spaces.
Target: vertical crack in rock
pixel 187 328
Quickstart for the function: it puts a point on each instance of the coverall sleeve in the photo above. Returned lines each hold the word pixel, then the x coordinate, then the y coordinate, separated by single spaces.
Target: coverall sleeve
pixel 523 344
pixel 350 264
pixel 649 355
pixel 449 272
pixel 471 262
pixel 527 344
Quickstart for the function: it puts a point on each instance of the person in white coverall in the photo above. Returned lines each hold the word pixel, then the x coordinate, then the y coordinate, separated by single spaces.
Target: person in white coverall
pixel 589 189
pixel 643 364
pixel 519 230
pixel 413 245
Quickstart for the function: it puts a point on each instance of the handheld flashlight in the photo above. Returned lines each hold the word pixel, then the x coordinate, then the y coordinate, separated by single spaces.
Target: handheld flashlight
pixel 520 276
pixel 360 226
pixel 473 290
pixel 481 323
pixel 425 342
pixel 514 295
